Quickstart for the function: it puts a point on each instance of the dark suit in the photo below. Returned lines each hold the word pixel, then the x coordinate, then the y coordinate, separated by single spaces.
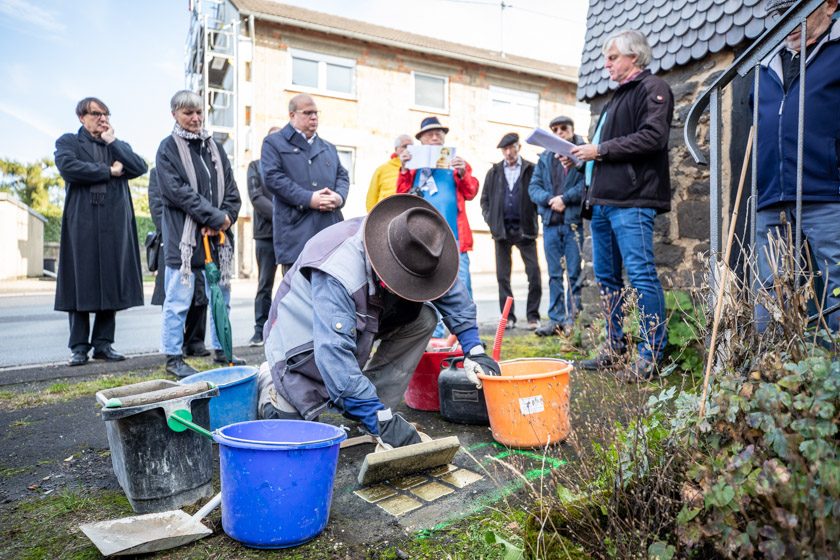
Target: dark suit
pixel 512 218
pixel 292 170
pixel 262 200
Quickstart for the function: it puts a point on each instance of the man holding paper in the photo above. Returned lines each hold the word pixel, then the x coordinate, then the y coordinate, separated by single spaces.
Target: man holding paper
pixel 447 189
pixel 628 184
pixel 556 191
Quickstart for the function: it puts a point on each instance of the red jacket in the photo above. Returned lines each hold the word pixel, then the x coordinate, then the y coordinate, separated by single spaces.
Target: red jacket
pixel 466 187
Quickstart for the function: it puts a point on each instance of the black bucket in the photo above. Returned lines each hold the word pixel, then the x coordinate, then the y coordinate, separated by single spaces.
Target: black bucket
pixel 157 468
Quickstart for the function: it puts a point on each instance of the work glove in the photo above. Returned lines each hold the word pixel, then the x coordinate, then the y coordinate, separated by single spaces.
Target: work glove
pixel 478 362
pixel 395 431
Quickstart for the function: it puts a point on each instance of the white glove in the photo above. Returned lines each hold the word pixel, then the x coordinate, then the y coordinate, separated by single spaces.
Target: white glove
pixel 479 362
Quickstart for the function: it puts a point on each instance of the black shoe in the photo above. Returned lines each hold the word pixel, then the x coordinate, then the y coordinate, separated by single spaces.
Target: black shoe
pixel 548 329
pixel 641 370
pixel 605 359
pixel 178 367
pixel 198 351
pixel 108 354
pixel 78 359
pixel 511 324
pixel 220 358
pixel 256 340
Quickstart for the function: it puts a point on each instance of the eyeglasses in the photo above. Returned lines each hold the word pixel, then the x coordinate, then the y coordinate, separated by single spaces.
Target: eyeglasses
pixel 309 114
pixel 97 114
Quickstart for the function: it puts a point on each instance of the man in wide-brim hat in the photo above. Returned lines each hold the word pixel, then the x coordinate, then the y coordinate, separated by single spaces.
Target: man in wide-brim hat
pixel 356 282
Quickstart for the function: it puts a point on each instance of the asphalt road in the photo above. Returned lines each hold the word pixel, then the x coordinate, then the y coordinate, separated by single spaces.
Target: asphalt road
pixel 31 332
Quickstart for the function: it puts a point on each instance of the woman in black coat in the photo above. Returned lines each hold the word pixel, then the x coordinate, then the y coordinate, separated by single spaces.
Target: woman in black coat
pixel 99 258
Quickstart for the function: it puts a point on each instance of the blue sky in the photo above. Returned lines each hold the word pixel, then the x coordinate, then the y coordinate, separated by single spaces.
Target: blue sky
pixel 131 55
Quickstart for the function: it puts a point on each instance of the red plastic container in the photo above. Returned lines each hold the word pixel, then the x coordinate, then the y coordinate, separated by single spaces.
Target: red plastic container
pixel 422 391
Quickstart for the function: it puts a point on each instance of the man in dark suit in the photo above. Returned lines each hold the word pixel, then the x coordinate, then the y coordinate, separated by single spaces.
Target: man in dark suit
pixel 305 176
pixel 99 269
pixel 512 218
pixel 263 202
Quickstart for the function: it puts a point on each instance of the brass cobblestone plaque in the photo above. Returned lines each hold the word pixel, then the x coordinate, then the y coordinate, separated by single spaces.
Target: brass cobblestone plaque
pixel 373 494
pixel 461 478
pixel 431 491
pixel 399 505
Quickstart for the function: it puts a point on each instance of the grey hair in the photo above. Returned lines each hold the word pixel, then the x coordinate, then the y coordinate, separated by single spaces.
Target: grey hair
pixel 186 99
pixel 399 140
pixel 630 42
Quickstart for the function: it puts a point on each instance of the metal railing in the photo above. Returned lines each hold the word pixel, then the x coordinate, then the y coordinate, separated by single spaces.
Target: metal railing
pixel 750 60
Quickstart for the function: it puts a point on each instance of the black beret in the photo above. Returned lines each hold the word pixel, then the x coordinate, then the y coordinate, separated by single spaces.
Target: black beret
pixel 508 139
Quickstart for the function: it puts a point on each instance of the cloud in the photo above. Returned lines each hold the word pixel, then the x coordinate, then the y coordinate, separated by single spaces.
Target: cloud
pixel 30 120
pixel 28 14
pixel 19 79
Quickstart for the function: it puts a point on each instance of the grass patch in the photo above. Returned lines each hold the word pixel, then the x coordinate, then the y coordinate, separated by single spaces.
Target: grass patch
pixel 69 390
pixel 47 527
pixel 21 423
pixel 12 471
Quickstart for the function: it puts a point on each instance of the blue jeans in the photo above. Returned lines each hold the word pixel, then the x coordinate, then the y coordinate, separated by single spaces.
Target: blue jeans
pixel 178 299
pixel 560 241
pixel 821 229
pixel 624 236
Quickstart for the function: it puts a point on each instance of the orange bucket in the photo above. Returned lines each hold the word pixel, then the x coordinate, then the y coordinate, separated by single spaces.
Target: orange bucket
pixel 528 404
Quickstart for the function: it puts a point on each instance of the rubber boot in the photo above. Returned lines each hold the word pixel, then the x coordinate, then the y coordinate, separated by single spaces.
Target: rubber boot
pixel 176 365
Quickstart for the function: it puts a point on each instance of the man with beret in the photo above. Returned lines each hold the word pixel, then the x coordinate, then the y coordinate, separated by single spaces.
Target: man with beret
pixel 371 278
pixel 556 191
pixel 512 218
pixel 776 147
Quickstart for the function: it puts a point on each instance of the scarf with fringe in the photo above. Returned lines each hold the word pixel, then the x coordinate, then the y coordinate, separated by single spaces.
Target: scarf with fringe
pixel 187 243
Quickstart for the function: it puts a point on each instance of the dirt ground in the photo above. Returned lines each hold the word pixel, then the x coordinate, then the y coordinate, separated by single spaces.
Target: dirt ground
pixel 55 464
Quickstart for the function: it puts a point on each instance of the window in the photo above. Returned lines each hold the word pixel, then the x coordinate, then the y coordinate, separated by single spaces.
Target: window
pixel 514 106
pixel 347 157
pixel 324 73
pixel 430 92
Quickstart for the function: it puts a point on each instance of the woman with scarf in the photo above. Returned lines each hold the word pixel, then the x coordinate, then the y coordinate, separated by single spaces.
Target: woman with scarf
pixel 99 270
pixel 200 197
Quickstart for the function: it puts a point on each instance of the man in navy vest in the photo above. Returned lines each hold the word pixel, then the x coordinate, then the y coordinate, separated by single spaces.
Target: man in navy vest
pixel 512 218
pixel 356 282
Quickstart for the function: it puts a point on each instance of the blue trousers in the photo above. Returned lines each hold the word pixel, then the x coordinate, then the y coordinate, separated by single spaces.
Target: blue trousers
pixel 178 299
pixel 561 241
pixel 821 229
pixel 624 236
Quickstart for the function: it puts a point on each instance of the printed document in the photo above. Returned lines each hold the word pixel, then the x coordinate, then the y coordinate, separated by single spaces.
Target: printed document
pixel 553 143
pixel 435 157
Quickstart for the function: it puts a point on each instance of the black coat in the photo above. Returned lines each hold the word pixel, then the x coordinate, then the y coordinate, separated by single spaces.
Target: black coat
pixel 99 258
pixel 179 199
pixel 493 201
pixel 633 170
pixel 262 201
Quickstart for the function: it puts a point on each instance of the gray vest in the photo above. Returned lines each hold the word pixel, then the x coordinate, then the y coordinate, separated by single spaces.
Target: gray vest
pixel 338 251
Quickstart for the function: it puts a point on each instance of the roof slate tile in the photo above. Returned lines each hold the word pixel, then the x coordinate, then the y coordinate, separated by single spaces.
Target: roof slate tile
pixel 678 32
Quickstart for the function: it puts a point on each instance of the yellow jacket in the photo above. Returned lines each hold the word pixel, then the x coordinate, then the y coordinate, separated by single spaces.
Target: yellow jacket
pixel 384 181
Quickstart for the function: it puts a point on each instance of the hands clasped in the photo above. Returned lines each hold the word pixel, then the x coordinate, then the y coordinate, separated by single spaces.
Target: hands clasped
pixel 325 200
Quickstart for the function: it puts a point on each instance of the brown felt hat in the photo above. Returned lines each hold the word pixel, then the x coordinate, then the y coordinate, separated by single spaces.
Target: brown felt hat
pixel 411 247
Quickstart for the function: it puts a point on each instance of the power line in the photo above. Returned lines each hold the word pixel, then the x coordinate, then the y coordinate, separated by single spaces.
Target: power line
pixel 504 5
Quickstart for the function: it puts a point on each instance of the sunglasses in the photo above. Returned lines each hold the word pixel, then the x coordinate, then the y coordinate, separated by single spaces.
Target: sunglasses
pixel 563 127
pixel 97 114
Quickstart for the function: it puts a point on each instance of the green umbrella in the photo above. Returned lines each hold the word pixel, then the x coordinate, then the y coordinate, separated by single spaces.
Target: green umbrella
pixel 218 308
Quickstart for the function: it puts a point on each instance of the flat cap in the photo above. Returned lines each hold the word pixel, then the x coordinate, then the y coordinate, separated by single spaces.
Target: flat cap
pixel 561 120
pixel 508 139
pixel 771 6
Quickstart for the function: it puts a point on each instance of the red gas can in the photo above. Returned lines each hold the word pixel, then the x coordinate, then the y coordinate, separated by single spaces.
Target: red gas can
pixel 422 391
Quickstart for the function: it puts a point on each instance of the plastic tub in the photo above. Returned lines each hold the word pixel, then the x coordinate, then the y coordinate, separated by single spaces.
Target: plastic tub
pixel 422 390
pixel 528 404
pixel 238 393
pixel 158 469
pixel 277 480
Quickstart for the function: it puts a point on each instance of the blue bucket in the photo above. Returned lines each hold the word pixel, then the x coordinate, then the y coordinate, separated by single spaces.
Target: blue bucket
pixel 277 480
pixel 238 394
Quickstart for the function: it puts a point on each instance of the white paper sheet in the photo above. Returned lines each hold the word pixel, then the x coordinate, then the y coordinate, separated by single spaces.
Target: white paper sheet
pixel 552 142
